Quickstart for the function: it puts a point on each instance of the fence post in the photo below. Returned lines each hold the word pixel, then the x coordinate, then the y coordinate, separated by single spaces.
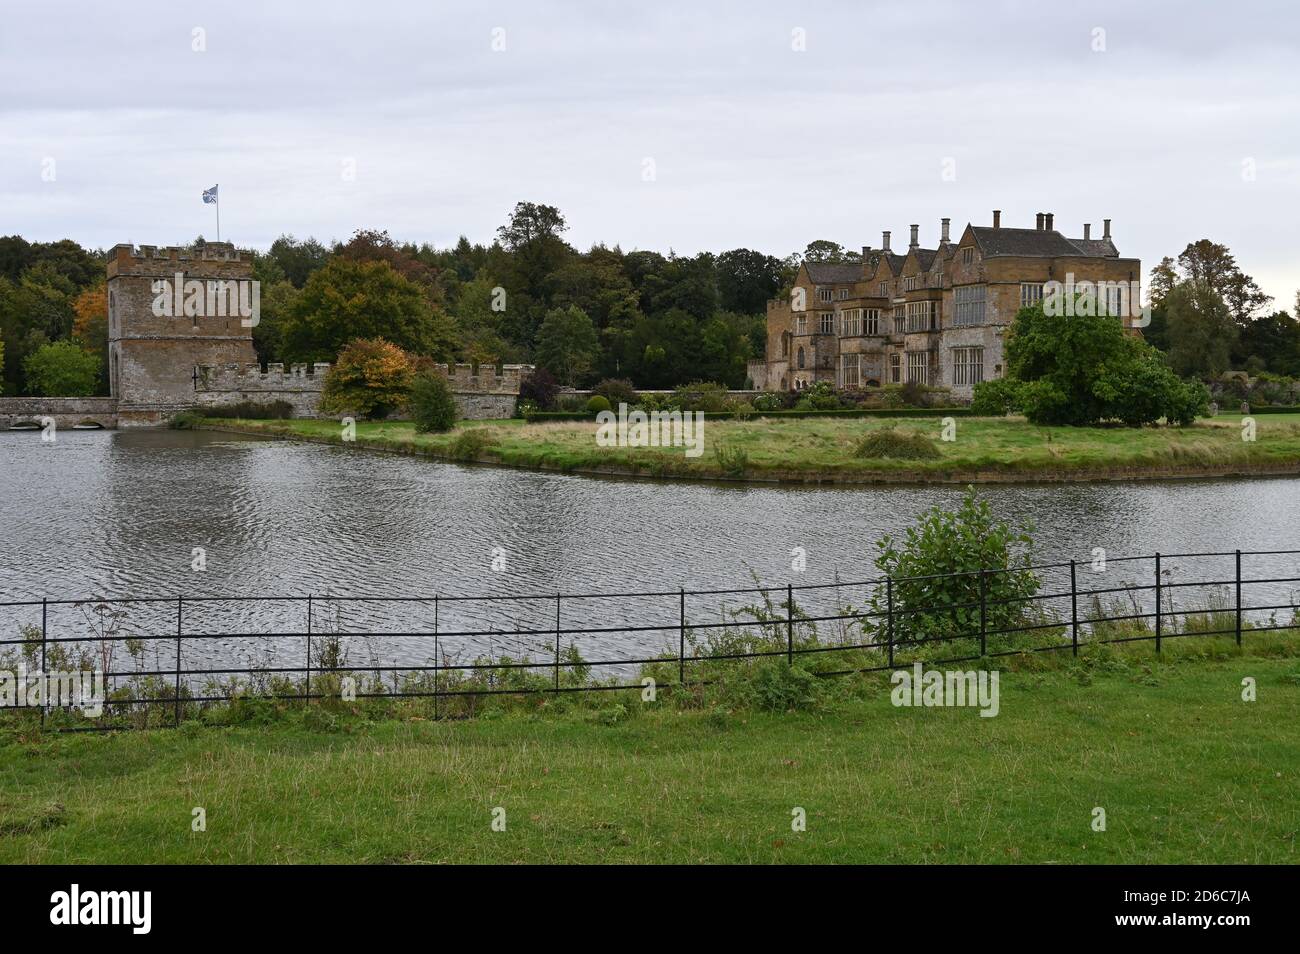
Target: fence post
pixel 1159 603
pixel 984 615
pixel 437 661
pixel 1238 597
pixel 179 610
pixel 1074 611
pixel 681 637
pixel 308 693
pixel 44 667
pixel 889 617
pixel 557 642
pixel 789 624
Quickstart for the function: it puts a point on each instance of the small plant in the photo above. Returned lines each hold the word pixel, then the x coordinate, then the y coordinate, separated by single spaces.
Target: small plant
pixel 597 403
pixel 471 444
pixel 186 420
pixel 769 401
pixel 732 460
pixel 432 405
pixel 888 443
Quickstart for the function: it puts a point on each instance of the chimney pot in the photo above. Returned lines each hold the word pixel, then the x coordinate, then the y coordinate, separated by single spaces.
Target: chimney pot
pixel 866 252
pixel 884 241
pixel 1047 221
pixel 944 230
pixel 997 218
pixel 1039 225
pixel 915 242
pixel 1105 228
pixel 1087 230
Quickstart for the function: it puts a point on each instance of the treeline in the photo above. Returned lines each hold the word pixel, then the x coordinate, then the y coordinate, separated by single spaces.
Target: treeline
pixel 528 297
pixel 1210 317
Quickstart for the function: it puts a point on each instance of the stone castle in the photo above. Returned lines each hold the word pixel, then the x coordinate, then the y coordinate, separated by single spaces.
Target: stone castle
pixel 930 316
pixel 194 354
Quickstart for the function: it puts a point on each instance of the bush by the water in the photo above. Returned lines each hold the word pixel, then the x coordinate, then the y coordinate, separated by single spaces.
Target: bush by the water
pixel 432 405
pixel 894 444
pixel 937 586
pixel 471 443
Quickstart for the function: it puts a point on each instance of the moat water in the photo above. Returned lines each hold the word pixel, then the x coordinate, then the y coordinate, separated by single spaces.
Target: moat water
pixel 119 514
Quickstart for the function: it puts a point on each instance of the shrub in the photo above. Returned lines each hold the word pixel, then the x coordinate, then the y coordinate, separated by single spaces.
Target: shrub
pixel 432 405
pixel 889 443
pixel 597 403
pixel 371 378
pixel 732 461
pixel 995 398
pixel 616 391
pixel 929 601
pixel 913 394
pixel 769 401
pixel 186 420
pixel 470 444
pixel 541 388
pixel 701 396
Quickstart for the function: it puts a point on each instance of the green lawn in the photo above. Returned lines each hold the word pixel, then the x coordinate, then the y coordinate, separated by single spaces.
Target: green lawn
pixel 823 449
pixel 1185 770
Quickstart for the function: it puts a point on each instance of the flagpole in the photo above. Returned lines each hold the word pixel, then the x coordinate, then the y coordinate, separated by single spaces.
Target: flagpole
pixel 218 205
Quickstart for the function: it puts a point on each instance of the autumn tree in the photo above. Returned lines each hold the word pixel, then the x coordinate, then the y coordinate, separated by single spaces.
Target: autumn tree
pixel 371 378
pixel 90 326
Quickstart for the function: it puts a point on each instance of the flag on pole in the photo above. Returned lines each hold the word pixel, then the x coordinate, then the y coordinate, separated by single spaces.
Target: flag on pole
pixel 210 196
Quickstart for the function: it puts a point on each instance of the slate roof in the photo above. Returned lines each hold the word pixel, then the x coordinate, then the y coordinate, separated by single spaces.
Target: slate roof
pixel 1042 243
pixel 826 273
pixel 925 257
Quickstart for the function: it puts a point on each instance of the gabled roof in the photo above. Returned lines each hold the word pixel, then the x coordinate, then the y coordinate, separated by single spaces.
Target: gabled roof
pixel 829 273
pixel 925 257
pixel 1032 242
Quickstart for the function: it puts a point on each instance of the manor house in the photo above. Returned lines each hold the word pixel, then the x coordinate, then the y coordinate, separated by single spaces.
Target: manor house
pixel 934 316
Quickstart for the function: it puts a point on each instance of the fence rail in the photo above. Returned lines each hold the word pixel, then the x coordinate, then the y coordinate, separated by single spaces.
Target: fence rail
pixel 894 617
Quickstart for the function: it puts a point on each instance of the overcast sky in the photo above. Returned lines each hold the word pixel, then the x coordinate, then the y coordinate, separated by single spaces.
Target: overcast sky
pixel 657 125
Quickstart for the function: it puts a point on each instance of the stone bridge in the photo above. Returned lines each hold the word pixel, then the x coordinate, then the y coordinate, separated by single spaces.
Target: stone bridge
pixel 67 412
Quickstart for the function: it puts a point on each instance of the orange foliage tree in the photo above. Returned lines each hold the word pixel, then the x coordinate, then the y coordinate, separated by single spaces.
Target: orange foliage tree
pixel 371 378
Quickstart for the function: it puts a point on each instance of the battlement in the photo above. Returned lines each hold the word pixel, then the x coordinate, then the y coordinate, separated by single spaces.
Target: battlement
pixel 487 380
pixel 208 252
pixel 253 377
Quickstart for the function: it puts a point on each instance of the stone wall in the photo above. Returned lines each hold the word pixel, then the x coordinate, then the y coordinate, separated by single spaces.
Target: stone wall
pixel 227 384
pixel 67 412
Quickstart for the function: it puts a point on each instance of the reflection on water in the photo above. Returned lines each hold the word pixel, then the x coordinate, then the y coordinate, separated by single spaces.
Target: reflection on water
pixel 119 513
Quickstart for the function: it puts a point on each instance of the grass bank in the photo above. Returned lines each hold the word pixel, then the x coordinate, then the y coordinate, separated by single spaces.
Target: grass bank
pixel 821 450
pixel 1185 770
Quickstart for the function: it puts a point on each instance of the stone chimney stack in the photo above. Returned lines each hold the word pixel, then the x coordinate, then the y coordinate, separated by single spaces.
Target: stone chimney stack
pixel 1087 230
pixel 1047 221
pixel 866 252
pixel 884 240
pixel 1039 225
pixel 997 218
pixel 1105 228
pixel 915 242
pixel 943 230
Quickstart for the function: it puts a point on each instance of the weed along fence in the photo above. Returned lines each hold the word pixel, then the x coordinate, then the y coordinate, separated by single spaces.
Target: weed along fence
pixel 161 660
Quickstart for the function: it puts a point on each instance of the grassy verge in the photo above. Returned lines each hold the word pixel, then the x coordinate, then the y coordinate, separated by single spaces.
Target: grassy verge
pixel 1185 770
pixel 828 450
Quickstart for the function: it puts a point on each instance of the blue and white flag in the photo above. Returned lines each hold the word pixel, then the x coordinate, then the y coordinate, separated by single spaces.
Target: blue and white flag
pixel 210 196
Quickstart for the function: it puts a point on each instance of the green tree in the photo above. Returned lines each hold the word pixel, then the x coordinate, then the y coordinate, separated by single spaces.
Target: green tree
pixel 567 344
pixel 1084 369
pixel 61 369
pixel 824 250
pixel 1201 331
pixel 298 260
pixel 347 299
pixel 432 404
pixel 746 280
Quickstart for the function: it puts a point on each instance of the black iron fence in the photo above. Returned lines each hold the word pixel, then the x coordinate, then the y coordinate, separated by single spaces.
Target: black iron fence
pixel 193 650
